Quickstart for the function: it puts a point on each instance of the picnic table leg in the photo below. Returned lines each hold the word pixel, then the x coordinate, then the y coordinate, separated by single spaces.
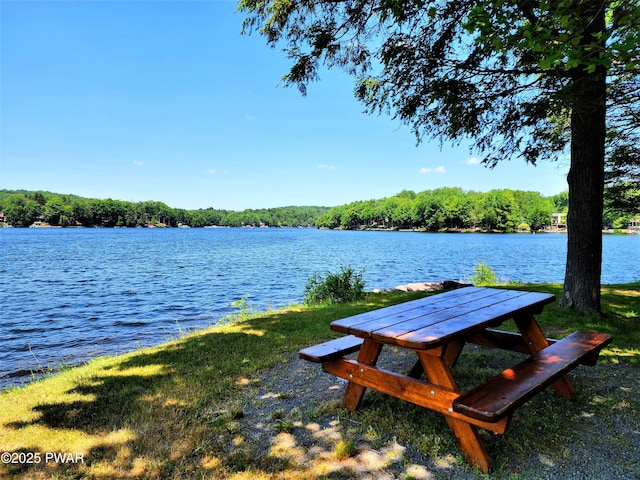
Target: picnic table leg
pixel 536 341
pixel 451 354
pixel 437 371
pixel 369 353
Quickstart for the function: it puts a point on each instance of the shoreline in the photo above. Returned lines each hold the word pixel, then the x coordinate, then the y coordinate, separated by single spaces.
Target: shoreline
pixel 478 230
pixel 44 372
pixel 608 231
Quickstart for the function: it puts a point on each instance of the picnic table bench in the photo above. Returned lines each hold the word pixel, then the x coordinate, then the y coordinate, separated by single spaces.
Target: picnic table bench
pixel 436 328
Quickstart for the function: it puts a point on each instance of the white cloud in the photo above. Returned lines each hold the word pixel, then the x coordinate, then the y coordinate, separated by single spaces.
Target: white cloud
pixel 211 171
pixel 138 163
pixel 473 161
pixel 326 166
pixel 427 170
pixel 250 118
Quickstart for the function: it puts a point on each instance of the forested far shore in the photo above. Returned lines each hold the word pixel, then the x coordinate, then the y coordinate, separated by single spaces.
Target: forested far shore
pixel 440 209
pixel 23 208
pixel 446 209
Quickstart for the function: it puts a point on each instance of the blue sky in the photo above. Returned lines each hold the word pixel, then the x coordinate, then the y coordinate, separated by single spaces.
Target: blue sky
pixel 165 100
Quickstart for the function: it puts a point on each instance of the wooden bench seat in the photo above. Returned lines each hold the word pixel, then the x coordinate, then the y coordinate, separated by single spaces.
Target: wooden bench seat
pixel 332 349
pixel 500 395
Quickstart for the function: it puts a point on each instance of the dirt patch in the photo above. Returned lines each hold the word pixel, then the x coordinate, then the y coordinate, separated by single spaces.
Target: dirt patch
pixel 292 423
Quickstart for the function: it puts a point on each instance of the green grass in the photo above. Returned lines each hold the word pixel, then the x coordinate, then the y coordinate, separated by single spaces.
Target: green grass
pixel 175 411
pixel 344 449
pixel 620 318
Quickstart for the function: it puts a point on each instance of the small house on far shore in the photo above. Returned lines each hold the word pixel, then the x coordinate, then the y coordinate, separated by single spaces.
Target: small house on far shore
pixel 558 221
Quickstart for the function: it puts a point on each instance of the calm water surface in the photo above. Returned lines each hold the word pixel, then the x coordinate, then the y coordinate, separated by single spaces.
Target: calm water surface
pixel 71 294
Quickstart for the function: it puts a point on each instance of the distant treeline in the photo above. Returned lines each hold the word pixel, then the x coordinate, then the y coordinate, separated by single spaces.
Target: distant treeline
pixel 454 208
pixel 23 208
pixel 431 210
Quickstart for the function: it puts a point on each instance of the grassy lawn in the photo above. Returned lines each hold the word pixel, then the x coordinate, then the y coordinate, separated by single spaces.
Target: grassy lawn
pixel 172 411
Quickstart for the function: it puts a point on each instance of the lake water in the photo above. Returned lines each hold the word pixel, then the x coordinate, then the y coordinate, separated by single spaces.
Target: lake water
pixel 72 294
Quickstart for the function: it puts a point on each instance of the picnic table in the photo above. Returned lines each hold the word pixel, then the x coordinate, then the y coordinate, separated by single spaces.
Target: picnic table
pixel 436 328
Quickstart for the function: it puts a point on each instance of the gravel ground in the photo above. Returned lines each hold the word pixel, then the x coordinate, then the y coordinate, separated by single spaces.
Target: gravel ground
pixel 291 415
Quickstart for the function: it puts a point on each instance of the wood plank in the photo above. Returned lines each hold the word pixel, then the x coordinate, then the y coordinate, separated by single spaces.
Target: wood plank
pixel 513 342
pixel 386 316
pixel 423 394
pixel 499 396
pixel 354 392
pixel 473 450
pixel 331 349
pixel 536 341
pixel 388 334
pixel 468 323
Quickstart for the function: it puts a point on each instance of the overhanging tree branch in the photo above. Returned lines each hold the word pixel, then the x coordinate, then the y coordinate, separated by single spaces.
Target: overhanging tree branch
pixel 520 78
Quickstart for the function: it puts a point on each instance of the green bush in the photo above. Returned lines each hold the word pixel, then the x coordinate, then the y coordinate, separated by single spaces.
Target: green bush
pixel 484 275
pixel 344 286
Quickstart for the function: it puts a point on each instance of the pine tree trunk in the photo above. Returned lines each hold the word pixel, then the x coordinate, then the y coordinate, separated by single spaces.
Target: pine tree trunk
pixel 586 189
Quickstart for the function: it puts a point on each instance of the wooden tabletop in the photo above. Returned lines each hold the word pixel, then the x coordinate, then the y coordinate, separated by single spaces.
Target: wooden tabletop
pixel 433 321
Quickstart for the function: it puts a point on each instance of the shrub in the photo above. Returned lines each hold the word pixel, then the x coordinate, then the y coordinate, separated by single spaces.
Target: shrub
pixel 344 286
pixel 483 275
pixel 524 227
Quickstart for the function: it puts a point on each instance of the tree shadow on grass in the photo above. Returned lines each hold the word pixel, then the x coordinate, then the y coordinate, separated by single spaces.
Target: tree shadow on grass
pixel 163 410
